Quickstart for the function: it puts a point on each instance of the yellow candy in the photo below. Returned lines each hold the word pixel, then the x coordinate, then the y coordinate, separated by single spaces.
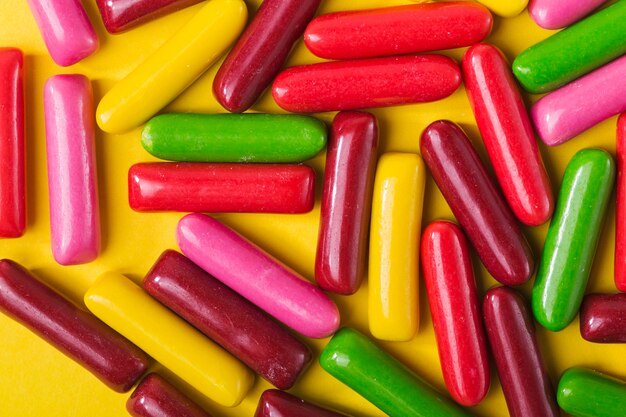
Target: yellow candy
pixel 394 246
pixel 505 8
pixel 169 339
pixel 172 68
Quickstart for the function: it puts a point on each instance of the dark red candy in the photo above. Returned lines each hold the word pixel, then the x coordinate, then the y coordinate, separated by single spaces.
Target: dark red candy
pixel 274 403
pixel 603 318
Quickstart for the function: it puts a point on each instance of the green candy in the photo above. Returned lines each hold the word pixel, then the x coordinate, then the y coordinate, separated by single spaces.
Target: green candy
pixel 572 238
pixel 574 51
pixel 357 362
pixel 586 393
pixel 250 137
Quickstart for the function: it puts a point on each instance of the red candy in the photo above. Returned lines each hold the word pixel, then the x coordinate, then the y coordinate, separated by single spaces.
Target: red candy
pixel 603 318
pixel 360 84
pixel 620 202
pixel 275 403
pixel 344 220
pixel 198 187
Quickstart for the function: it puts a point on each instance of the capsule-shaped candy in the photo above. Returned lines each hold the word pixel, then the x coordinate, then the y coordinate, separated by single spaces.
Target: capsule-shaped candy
pixel 508 134
pixel 12 140
pixel 197 187
pixel 586 393
pixel 274 403
pixel 396 221
pixel 620 207
pixel 261 51
pixel 603 318
pixel 377 376
pixel 341 257
pixel 572 238
pixel 72 177
pixel 511 333
pixel 78 334
pixel 574 51
pixel 173 67
pixel 556 14
pixel 476 203
pixel 359 84
pixel 505 8
pixel 169 339
pixel 257 276
pixel 582 104
pixel 397 30
pixel 250 137
pixel 227 318
pixel 455 311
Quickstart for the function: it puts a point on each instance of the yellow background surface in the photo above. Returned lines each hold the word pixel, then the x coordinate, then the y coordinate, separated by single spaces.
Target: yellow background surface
pixel 36 380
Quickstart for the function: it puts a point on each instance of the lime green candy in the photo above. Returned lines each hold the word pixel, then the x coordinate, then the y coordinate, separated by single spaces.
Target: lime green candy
pixel 250 137
pixel 585 393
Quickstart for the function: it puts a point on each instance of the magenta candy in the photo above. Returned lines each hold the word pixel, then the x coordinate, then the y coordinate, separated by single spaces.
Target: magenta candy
pixel 556 14
pixel 274 403
pixel 603 318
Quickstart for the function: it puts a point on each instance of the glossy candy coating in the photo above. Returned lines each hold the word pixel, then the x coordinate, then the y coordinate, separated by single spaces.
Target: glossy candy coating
pixel 250 137
pixel 505 8
pixel 586 393
pixel 511 333
pixel 572 238
pixel 477 203
pixel 169 339
pixel 603 318
pixel 121 15
pixel 72 176
pixel 257 276
pixel 261 51
pixel 396 220
pixel 227 318
pixel 364 83
pixel 397 30
pixel 173 67
pixel 620 207
pixel 455 312
pixel 574 51
pixel 341 258
pixel 79 335
pixel 274 403
pixel 508 134
pixel 556 14
pixel 198 187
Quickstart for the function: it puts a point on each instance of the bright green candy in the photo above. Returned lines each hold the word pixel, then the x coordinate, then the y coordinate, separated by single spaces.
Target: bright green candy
pixel 574 51
pixel 250 137
pixel 585 393
pixel 572 238
pixel 357 362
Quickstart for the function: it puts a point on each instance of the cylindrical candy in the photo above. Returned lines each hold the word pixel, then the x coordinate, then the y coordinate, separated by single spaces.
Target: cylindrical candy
pixel 227 318
pixel 359 84
pixel 525 381
pixel 78 334
pixel 620 207
pixel 572 238
pixel 341 257
pixel 381 379
pixel 249 137
pixel 574 51
pixel 603 318
pixel 274 403
pixel 505 8
pixel 260 52
pixel 455 311
pixel 556 14
pixel 173 67
pixel 508 134
pixel 72 177
pixel 397 30
pixel 394 246
pixel 476 203
pixel 257 276
pixel 198 187
pixel 169 339
pixel 586 393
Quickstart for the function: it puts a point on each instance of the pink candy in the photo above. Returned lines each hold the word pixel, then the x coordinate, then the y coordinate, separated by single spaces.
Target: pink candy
pixel 555 14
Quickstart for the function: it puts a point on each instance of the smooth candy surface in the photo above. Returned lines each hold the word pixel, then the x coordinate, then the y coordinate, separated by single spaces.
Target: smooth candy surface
pixel 556 14
pixel 572 238
pixel 250 137
pixel 574 51
pixel 587 393
pixel 394 246
pixel 257 276
pixel 173 67
pixel 505 8
pixel 341 258
pixel 508 134
pixel 398 30
pixel 603 318
pixel 620 207
pixel 198 187
pixel 511 333
pixel 582 104
pixel 274 403
pixel 359 84
pixel 79 335
pixel 227 318
pixel 261 51
pixel 169 339
pixel 455 312
pixel 477 203
pixel 72 176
